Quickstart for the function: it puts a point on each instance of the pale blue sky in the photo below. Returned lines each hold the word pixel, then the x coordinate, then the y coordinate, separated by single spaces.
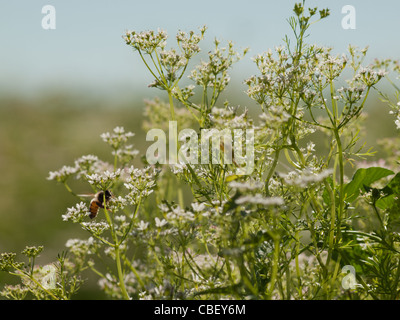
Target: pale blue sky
pixel 86 50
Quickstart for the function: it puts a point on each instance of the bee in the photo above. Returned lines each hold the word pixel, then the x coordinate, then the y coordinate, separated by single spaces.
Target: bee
pixel 98 202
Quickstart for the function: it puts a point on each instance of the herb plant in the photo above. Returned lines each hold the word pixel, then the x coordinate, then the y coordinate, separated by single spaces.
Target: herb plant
pixel 289 230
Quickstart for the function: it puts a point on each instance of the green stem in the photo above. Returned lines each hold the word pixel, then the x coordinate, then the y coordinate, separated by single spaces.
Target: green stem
pixel 160 70
pixel 120 274
pixel 339 159
pixel 271 171
pixel 131 223
pixel 117 252
pixel 275 263
pixel 333 219
pixel 378 215
pixel 171 105
pixel 69 189
pixel 115 160
pixel 298 273
pixel 134 272
pixel 148 67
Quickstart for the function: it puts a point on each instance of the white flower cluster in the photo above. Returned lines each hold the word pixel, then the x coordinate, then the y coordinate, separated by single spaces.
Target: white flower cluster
pixel 190 42
pixel 80 247
pixel 260 199
pixel 330 67
pixel 172 61
pixel 306 177
pixel 184 93
pixel 368 76
pixel 140 182
pixel 117 203
pixel 175 215
pixel 63 174
pixel 105 180
pixel 84 166
pixel 228 117
pixel 250 185
pixel 76 214
pixel 117 138
pixel 146 41
pixel 88 165
pixel 95 228
pixel 277 74
pixel 169 61
pixel 213 73
pixel 178 168
pixel 274 117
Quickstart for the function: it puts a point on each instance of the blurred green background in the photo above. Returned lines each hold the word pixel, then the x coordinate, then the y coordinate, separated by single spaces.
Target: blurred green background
pixel 60 89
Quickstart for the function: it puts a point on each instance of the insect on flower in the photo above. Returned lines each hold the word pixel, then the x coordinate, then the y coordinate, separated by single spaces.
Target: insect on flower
pixel 97 201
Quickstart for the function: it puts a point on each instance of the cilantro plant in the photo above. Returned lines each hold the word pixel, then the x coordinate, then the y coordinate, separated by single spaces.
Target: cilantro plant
pixel 201 231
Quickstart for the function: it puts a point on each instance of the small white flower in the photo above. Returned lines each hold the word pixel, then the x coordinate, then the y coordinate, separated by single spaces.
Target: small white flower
pixel 160 223
pixel 118 203
pixel 93 178
pixel 63 174
pixel 310 146
pixel 197 207
pixel 121 218
pixel 163 207
pixel 179 214
pixel 397 122
pixel 119 130
pixel 143 225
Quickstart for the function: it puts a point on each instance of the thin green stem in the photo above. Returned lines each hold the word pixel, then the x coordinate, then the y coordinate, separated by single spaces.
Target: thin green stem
pixel 275 263
pixel 121 274
pixel 129 229
pixel 148 67
pixel 69 189
pixel 117 252
pixel 171 105
pixel 339 160
pixel 298 273
pixel 271 171
pixel 333 219
pixel 139 279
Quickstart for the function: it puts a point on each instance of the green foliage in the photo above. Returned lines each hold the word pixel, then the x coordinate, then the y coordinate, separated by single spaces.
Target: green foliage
pixel 203 231
pixel 362 179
